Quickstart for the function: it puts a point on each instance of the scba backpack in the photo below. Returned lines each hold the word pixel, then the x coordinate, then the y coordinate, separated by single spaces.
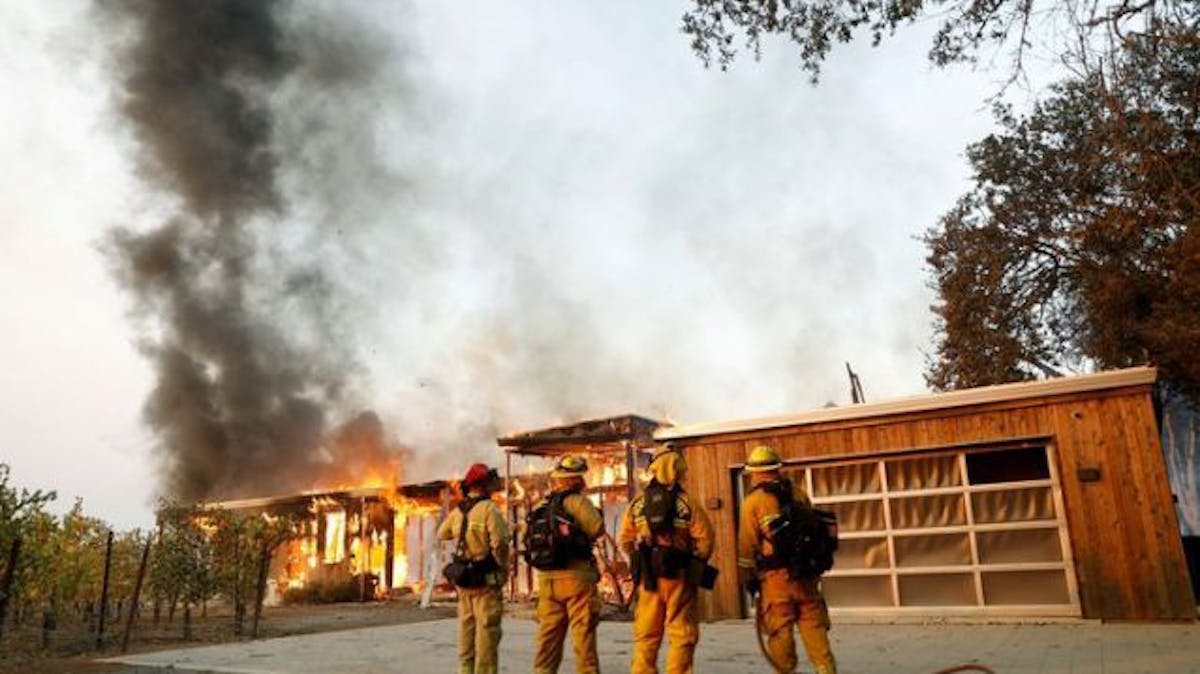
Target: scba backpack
pixel 463 571
pixel 804 538
pixel 552 538
pixel 659 508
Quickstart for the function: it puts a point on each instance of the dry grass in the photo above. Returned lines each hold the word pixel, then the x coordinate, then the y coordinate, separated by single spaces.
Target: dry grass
pixel 73 646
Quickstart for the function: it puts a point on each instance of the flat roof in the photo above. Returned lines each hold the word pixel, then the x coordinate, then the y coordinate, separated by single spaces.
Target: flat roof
pixel 411 490
pixel 982 395
pixel 592 432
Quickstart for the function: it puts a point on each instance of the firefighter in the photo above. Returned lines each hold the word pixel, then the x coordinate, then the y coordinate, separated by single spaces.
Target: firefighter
pixel 483 552
pixel 567 596
pixel 785 601
pixel 667 537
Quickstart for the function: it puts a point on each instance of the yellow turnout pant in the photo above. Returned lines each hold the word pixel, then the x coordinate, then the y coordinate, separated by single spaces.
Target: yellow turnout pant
pixel 479 613
pixel 671 610
pixel 786 603
pixel 566 600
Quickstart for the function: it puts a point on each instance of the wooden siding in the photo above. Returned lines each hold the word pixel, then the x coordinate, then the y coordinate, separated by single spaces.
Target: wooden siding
pixel 1124 534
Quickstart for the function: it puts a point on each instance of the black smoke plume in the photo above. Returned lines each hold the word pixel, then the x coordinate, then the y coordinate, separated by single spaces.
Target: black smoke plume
pixel 248 342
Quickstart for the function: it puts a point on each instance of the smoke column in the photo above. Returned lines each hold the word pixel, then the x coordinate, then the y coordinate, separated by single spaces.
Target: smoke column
pixel 554 213
pixel 247 336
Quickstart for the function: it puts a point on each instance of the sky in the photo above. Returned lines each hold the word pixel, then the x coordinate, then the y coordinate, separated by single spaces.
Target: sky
pixel 546 211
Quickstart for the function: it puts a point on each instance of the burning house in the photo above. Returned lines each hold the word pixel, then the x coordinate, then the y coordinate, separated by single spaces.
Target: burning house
pixel 376 541
pixel 363 543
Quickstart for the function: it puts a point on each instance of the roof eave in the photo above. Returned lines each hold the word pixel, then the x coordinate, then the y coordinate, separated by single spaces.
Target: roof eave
pixel 1134 376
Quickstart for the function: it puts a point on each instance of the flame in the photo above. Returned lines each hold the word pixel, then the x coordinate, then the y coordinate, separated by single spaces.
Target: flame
pixel 608 474
pixel 335 536
pixel 348 532
pixel 404 511
pixel 320 503
pixel 400 569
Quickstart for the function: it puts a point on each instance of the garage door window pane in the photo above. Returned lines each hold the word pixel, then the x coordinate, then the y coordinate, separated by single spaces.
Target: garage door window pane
pixel 1025 587
pixel 1014 547
pixel 1008 465
pixel 926 472
pixel 1013 505
pixel 862 553
pixel 858 591
pixel 933 550
pixel 920 512
pixel 858 515
pixel 853 478
pixel 943 589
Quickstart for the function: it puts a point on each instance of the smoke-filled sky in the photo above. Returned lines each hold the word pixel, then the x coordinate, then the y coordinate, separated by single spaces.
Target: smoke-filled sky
pixel 469 219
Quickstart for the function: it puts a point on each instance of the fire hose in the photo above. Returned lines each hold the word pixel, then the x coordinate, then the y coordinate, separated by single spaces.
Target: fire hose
pixel 762 645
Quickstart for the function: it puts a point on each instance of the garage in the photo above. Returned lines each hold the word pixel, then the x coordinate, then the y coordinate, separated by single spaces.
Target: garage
pixel 1037 499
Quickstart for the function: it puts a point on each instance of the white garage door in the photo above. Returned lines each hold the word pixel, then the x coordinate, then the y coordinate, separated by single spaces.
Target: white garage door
pixel 960 532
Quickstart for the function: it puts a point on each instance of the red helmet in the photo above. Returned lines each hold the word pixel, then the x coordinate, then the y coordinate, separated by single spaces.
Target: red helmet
pixel 478 475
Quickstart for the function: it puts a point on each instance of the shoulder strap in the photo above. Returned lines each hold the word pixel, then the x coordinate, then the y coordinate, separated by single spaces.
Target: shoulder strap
pixel 545 510
pixel 683 505
pixel 557 498
pixel 674 491
pixel 465 508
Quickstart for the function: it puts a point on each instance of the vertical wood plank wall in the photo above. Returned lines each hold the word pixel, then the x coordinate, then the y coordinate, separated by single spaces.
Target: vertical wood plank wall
pixel 1124 533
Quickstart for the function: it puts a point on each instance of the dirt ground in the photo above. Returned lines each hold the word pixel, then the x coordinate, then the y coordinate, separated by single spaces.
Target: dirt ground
pixel 72 647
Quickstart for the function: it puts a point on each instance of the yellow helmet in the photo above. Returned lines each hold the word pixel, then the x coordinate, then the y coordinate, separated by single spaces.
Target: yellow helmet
pixel 570 466
pixel 667 467
pixel 668 447
pixel 762 459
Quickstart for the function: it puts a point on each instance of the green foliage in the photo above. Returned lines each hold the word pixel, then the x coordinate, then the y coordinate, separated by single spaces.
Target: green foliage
pixel 1078 244
pixel 197 554
pixel 18 508
pixel 23 515
pixel 182 568
pixel 202 553
pixel 61 566
pixel 238 541
pixel 72 566
pixel 127 557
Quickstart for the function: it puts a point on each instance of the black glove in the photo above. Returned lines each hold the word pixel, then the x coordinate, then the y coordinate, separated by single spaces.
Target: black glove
pixel 753 586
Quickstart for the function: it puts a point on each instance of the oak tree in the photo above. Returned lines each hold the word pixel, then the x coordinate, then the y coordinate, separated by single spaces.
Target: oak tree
pixel 1077 245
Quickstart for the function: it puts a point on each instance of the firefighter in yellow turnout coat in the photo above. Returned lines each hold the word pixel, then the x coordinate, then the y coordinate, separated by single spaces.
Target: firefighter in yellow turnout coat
pixel 785 602
pixel 567 596
pixel 669 605
pixel 480 608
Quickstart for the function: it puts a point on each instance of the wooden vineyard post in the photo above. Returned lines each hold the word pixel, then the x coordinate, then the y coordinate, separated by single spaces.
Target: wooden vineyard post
pixel 137 593
pixel 104 592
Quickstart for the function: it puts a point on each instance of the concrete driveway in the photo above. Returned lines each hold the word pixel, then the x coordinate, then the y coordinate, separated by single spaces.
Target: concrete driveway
pixel 725 648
